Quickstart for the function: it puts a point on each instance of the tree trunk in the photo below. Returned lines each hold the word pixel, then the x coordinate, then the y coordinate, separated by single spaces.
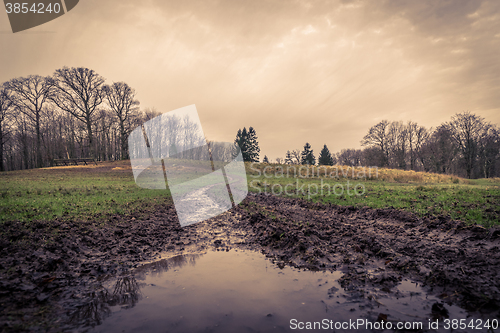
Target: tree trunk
pixel 1 150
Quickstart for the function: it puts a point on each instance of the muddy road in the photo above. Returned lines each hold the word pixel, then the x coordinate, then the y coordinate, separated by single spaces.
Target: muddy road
pixel 49 270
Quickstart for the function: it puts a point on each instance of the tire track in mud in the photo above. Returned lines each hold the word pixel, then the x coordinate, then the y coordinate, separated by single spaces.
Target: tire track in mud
pixel 381 246
pixel 53 265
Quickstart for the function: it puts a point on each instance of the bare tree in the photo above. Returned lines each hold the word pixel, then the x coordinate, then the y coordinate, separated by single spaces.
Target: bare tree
pixel 411 130
pixel 148 114
pixel 377 137
pixel 420 136
pixel 78 91
pixel 296 156
pixel 489 152
pixel 467 130
pixel 397 143
pixel 350 157
pixel 5 114
pixel 121 99
pixel 29 95
pixel 439 152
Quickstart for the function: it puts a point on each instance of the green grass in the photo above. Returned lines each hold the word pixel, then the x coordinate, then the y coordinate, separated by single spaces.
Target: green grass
pixel 94 192
pixel 472 201
pixel 74 192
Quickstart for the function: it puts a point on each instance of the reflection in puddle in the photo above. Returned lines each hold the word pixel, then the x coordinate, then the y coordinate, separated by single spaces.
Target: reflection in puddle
pixel 242 291
pixel 125 292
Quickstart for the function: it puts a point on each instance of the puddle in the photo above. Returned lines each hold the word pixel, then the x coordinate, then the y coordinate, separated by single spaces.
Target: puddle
pixel 243 291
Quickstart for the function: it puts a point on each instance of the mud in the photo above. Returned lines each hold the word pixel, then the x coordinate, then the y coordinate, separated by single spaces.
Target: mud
pixel 48 269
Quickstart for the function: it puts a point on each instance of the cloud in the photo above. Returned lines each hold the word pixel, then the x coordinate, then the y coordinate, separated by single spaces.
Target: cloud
pixel 318 71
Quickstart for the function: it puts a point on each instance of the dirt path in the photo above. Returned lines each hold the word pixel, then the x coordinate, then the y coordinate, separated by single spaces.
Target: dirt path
pixel 48 268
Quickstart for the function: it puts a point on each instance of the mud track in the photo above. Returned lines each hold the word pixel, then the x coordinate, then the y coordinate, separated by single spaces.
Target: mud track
pixel 48 269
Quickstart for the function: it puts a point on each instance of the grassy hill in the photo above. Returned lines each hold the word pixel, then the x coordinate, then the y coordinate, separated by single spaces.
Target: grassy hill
pixel 96 192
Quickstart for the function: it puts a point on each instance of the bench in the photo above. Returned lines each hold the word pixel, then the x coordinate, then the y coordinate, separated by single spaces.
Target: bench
pixel 74 161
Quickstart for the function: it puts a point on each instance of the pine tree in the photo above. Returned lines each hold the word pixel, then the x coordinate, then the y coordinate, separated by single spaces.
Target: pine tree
pixel 325 158
pixel 247 141
pixel 253 146
pixel 265 160
pixel 307 155
pixel 288 158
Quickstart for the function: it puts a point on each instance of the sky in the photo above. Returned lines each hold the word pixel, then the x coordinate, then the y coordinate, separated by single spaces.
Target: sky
pixel 312 71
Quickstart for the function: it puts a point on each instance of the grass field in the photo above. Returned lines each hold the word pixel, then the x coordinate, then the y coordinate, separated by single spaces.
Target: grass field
pixel 94 192
pixel 84 192
pixel 474 201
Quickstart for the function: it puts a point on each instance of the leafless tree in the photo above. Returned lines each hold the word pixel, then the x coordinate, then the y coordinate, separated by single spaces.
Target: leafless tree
pixel 296 156
pixel 121 99
pixel 5 115
pixel 467 130
pixel 350 157
pixel 377 137
pixel 419 137
pixel 29 95
pixel 79 92
pixel 397 144
pixel 439 152
pixel 489 152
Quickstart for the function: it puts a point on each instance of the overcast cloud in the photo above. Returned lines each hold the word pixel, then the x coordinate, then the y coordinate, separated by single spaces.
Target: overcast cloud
pixel 297 71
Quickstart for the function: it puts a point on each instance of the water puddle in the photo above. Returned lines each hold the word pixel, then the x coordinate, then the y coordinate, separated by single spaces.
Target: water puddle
pixel 243 291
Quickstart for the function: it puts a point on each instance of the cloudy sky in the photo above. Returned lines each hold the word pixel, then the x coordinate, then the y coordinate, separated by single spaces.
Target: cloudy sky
pixel 297 71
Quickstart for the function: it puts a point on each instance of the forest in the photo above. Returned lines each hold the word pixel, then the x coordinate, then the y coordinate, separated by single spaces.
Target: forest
pixel 74 114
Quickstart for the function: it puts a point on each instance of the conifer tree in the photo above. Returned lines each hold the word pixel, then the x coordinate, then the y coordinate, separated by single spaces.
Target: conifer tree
pixel 325 158
pixel 266 160
pixel 307 155
pixel 247 141
pixel 288 158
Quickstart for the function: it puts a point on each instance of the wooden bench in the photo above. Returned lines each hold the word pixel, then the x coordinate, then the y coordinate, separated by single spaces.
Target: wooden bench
pixel 74 161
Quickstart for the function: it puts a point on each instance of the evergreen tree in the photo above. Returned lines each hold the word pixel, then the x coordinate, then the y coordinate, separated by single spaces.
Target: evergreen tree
pixel 307 155
pixel 288 158
pixel 247 141
pixel 325 158
pixel 266 160
pixel 253 146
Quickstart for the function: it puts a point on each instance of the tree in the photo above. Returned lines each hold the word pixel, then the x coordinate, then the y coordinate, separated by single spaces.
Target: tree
pixel 5 114
pixel 296 156
pixel 377 137
pixel 288 157
pixel 242 142
pixel 372 156
pixel 79 92
pixel 307 155
pixel 467 130
pixel 247 141
pixel 397 142
pixel 279 160
pixel 265 160
pixel 29 95
pixel 439 151
pixel 325 158
pixel 421 135
pixel 350 157
pixel 121 99
pixel 489 152
pixel 253 145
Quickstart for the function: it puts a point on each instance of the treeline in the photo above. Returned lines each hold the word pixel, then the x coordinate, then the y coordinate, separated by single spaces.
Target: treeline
pixel 467 146
pixel 73 114
pixel 70 114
